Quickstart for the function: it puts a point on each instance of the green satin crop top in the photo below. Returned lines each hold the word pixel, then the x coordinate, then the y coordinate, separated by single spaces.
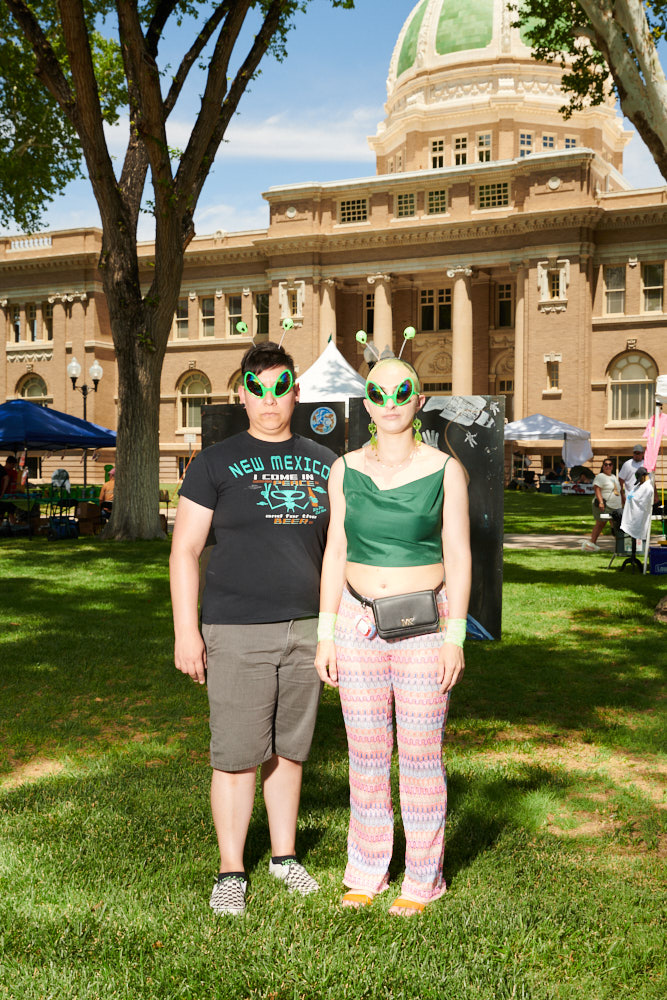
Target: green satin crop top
pixel 397 527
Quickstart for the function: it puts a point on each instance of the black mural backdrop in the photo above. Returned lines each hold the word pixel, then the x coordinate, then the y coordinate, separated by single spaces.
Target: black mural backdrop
pixel 322 422
pixel 471 429
pixel 468 427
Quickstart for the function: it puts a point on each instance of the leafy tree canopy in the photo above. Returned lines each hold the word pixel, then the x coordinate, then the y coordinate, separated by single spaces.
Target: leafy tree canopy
pixel 40 152
pixel 602 46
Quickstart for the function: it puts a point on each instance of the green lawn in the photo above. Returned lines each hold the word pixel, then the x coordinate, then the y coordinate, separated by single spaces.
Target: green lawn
pixel 556 835
pixel 544 514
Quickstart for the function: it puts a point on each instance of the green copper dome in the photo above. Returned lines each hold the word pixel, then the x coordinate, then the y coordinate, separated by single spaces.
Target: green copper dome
pixel 461 25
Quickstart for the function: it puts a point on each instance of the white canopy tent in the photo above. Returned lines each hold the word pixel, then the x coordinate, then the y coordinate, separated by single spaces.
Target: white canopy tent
pixel 330 379
pixel 576 441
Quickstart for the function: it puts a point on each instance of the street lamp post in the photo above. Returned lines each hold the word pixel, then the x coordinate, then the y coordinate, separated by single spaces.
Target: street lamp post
pixel 95 373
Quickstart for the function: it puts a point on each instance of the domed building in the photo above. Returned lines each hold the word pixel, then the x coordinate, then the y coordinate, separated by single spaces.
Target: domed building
pixel 506 235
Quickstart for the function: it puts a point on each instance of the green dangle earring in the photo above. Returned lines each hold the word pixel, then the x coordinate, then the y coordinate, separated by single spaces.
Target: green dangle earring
pixel 372 427
pixel 417 426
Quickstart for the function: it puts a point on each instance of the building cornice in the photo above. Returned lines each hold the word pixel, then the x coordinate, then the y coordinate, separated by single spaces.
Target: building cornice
pixel 51 263
pixel 419 234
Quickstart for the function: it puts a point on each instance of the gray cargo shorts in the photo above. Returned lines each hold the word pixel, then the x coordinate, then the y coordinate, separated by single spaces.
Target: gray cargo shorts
pixel 263 691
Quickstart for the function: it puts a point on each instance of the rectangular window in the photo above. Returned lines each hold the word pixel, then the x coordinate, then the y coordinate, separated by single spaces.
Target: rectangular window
pixel 653 283
pixel 632 400
pixel 548 142
pixel 460 150
pixel 369 313
pixel 444 309
pixel 570 142
pixel 525 143
pixel 405 205
pixel 505 305
pixel 493 195
pixel 554 284
pixel 505 385
pixel 437 153
pixel 31 320
pixel 47 319
pixel 207 317
pixel 16 323
pixel 436 202
pixel 262 314
pixel 553 374
pixel 353 210
pixel 428 309
pixel 614 288
pixel 436 309
pixel 437 388
pixel 399 163
pixel 233 314
pixel 181 321
pixel 484 147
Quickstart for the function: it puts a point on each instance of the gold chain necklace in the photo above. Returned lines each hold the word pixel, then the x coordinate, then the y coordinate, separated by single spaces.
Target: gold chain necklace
pixel 397 465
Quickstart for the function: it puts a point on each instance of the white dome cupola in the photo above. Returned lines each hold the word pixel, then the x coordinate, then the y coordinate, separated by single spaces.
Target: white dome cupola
pixel 459 68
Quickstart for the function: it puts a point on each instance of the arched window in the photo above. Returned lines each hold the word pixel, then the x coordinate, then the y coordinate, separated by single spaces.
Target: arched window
pixel 33 387
pixel 194 392
pixel 233 386
pixel 632 387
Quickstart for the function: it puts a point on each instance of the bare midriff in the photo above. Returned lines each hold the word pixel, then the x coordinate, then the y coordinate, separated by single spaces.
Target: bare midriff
pixel 386 581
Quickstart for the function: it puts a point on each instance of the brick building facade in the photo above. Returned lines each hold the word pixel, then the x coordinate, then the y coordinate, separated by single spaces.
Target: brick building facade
pixel 506 236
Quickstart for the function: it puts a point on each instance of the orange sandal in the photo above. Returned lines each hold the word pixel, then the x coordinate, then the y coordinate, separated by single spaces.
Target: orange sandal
pixel 406 904
pixel 356 898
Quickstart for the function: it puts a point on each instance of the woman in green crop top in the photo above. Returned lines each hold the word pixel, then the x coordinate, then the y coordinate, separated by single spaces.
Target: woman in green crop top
pixel 399 522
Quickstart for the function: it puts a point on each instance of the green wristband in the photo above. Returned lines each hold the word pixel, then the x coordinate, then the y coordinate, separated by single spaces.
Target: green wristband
pixel 456 631
pixel 326 623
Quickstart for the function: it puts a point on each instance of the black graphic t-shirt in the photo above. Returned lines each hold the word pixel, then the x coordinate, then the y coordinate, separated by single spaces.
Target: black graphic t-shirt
pixel 270 516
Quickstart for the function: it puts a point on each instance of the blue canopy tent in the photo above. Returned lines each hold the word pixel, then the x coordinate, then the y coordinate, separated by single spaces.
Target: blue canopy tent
pixel 24 425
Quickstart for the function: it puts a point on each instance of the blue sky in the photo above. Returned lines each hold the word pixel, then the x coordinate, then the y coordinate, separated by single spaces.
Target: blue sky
pixel 305 119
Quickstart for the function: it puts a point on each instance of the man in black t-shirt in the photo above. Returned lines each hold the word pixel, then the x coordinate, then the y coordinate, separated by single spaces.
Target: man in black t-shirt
pixel 264 492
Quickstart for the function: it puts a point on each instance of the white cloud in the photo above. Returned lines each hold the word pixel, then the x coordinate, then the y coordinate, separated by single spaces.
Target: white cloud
pixel 231 218
pixel 314 138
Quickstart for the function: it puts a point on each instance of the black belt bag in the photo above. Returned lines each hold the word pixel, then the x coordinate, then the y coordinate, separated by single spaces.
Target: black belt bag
pixel 403 615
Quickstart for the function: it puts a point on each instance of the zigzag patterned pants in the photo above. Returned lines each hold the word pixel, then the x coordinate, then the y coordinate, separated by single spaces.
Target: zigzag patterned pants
pixel 372 672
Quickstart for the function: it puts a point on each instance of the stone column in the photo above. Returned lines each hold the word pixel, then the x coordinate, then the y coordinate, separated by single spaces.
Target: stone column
pixel 519 341
pixel 327 312
pixel 383 332
pixel 461 331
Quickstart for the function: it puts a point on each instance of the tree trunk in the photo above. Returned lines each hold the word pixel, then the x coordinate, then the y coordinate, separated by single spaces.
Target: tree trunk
pixel 140 330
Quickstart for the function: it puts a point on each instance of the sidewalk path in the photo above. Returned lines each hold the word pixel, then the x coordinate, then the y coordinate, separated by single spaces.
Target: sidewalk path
pixel 606 543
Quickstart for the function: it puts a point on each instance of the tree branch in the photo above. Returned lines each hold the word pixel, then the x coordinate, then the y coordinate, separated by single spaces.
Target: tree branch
pixel 194 52
pixel 192 173
pixel 149 121
pixel 49 70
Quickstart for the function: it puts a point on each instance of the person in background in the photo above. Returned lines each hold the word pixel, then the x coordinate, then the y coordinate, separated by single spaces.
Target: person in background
pixel 8 485
pixel 628 470
pixel 638 504
pixel 9 476
pixel 106 494
pixel 607 498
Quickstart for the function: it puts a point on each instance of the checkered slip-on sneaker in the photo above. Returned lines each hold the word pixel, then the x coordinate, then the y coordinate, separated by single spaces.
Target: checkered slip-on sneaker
pixel 295 876
pixel 228 895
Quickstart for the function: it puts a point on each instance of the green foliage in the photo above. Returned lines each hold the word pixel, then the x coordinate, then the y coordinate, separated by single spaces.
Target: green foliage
pixel 559 31
pixel 39 148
